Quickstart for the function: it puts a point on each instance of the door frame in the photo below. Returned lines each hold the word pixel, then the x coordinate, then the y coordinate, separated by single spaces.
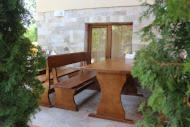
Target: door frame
pixel 90 26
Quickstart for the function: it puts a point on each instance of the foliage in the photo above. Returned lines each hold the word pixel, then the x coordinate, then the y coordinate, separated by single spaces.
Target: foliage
pixel 163 66
pixel 31 33
pixel 41 57
pixel 19 90
pixel 30 6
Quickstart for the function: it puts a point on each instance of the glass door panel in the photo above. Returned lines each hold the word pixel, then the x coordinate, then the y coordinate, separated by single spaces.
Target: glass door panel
pixel 121 40
pixel 99 40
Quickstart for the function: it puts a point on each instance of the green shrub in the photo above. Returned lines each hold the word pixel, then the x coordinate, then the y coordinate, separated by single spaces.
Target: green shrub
pixel 19 90
pixel 163 66
pixel 31 33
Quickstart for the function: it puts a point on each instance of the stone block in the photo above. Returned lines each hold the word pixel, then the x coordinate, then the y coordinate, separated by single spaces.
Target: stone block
pixel 118 13
pixel 43 31
pixel 117 18
pixel 67 33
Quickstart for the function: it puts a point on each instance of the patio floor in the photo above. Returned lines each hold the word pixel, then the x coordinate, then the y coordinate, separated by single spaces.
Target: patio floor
pixel 54 117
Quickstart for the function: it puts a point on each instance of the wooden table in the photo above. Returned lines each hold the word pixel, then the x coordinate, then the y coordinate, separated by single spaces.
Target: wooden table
pixel 111 75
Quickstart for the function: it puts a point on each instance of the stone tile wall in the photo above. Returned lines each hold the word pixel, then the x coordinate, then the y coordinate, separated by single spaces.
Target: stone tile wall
pixel 66 33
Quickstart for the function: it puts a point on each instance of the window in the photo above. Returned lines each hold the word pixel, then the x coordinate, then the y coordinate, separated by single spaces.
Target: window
pixel 109 41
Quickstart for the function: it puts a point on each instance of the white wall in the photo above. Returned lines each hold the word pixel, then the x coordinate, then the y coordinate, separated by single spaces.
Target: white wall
pixel 51 5
pixel 66 33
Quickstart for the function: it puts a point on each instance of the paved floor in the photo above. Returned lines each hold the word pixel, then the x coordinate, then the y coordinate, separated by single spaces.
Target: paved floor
pixel 54 117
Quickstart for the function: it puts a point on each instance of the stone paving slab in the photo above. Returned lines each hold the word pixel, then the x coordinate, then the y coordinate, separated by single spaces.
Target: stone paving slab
pixel 87 101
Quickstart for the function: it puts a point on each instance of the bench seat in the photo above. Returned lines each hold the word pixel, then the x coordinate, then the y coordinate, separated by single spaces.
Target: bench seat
pixel 66 90
pixel 76 81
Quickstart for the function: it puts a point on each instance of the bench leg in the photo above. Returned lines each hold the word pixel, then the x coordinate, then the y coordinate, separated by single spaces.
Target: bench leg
pixel 44 99
pixel 65 99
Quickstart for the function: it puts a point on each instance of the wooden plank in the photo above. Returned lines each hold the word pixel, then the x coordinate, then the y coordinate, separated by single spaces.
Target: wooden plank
pixel 112 66
pixel 77 81
pixel 65 99
pixel 66 59
pixel 60 72
pixel 44 98
pixel 109 42
pixel 111 85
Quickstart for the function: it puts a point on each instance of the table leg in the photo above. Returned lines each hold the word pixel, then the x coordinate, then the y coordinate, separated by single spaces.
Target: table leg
pixel 110 106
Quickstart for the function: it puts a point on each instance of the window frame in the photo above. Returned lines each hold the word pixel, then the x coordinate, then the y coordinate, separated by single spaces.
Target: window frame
pixel 108 26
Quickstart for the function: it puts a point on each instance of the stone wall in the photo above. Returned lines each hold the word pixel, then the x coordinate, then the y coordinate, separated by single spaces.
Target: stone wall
pixel 67 33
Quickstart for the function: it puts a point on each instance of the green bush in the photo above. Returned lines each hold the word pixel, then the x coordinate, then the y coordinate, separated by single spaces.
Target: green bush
pixel 19 90
pixel 31 33
pixel 163 66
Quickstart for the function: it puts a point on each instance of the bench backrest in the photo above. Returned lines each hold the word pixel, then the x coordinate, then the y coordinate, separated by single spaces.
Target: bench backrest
pixel 66 59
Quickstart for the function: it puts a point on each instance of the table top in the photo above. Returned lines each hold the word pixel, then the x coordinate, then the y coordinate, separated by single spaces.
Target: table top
pixel 109 65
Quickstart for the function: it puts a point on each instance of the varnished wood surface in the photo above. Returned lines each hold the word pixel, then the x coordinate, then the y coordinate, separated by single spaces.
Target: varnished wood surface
pixel 116 65
pixel 60 72
pixel 111 75
pixel 66 90
pixel 66 59
pixel 65 99
pixel 77 80
pixel 53 71
pixel 44 98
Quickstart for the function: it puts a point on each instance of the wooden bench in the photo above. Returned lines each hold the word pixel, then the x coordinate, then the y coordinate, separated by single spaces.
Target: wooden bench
pixel 66 90
pixel 43 77
pixel 58 73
